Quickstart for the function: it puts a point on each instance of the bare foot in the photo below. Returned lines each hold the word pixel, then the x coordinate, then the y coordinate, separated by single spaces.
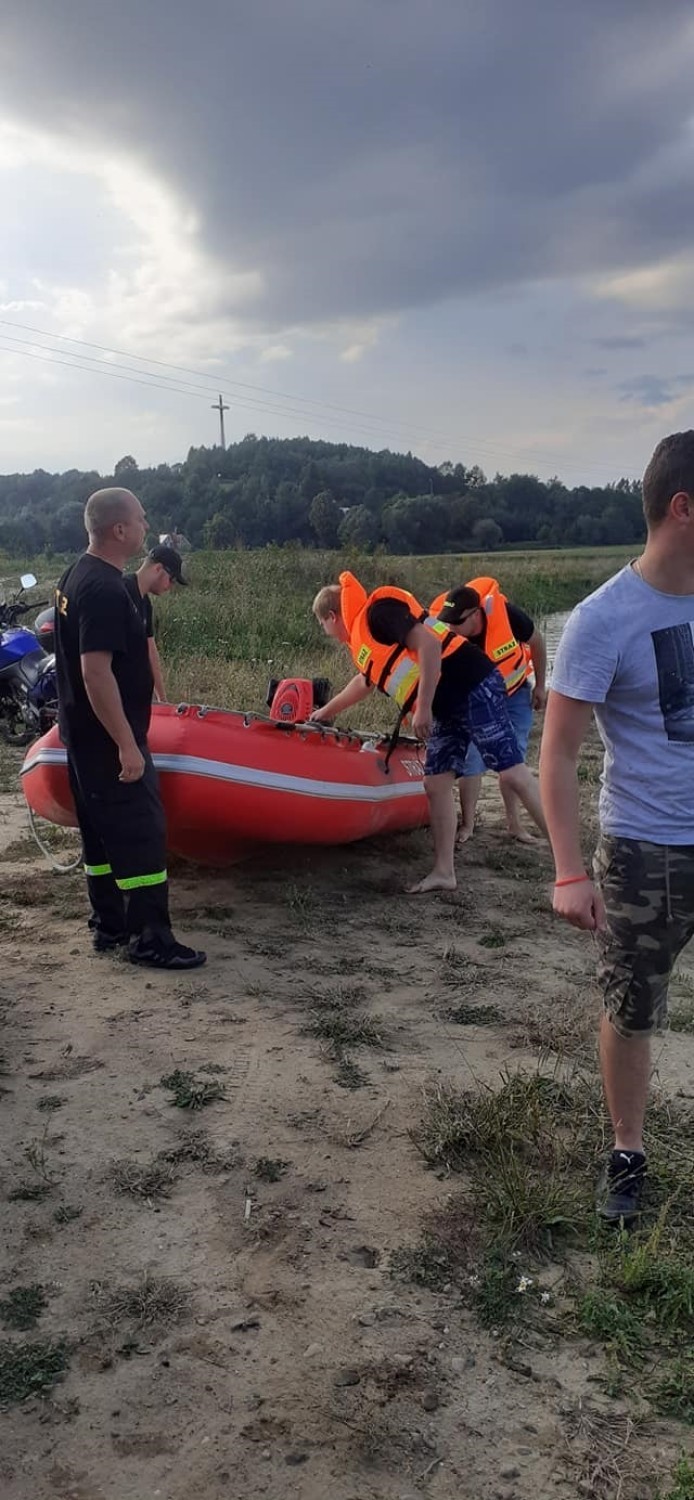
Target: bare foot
pixel 463 834
pixel 523 836
pixel 433 882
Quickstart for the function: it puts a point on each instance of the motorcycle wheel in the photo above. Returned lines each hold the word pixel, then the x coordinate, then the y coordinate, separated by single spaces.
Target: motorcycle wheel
pixel 16 737
pixel 14 729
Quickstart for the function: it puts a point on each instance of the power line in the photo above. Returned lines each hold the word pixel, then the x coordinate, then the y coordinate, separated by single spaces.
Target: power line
pixel 213 380
pixel 300 401
pixel 95 366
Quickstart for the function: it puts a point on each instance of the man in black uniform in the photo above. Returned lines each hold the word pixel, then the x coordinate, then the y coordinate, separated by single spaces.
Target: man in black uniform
pixel 105 696
pixel 161 567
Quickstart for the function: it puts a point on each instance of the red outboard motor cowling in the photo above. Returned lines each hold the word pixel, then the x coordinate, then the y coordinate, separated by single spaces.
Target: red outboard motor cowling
pixel 44 628
pixel 293 700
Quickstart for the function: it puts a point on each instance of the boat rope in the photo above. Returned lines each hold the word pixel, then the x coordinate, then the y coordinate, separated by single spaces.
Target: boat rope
pixel 48 853
pixel 395 736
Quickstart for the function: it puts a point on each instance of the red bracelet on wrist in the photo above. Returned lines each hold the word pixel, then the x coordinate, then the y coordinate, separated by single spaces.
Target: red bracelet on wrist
pixel 572 880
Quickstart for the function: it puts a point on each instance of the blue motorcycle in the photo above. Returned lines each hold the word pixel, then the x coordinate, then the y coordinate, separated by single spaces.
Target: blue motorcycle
pixel 28 685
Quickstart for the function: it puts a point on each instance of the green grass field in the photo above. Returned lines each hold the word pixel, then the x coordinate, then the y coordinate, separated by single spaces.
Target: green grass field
pixel 246 616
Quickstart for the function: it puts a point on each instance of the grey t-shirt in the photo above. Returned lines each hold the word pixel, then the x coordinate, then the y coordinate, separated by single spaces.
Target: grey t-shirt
pixel 629 650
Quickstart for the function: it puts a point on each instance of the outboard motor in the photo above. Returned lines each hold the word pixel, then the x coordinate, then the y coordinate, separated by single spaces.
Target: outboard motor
pixel 293 700
pixel 44 627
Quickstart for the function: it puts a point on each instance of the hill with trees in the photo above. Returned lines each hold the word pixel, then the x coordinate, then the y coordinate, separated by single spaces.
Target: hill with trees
pixel 265 491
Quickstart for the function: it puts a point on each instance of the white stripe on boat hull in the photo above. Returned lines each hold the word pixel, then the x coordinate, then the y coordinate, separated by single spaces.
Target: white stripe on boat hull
pixel 271 781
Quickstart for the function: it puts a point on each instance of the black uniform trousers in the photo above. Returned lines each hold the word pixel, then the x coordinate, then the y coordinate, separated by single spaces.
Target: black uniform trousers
pixel 123 830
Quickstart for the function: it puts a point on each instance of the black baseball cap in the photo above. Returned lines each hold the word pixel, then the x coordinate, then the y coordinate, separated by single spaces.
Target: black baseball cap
pixel 458 602
pixel 170 559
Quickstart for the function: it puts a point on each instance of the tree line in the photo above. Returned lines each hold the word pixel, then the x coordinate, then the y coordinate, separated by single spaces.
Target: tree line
pixel 264 491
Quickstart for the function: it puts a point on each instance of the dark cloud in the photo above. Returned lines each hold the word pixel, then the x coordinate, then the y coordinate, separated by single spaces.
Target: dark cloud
pixel 648 390
pixel 383 153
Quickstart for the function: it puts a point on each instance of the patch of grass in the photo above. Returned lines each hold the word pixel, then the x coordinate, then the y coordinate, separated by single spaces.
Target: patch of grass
pixel 23 1307
pixel 336 997
pixel 36 1155
pixel 602 1316
pixel 67 1213
pixel 610 1453
pixel 682 1016
pixel 153 1301
pixel 445 1253
pixel 28 1192
pixel 63 896
pixel 682 1487
pixel 526 1114
pixel 454 964
pixel 26 1369
pixel 153 1179
pixel 348 1074
pixel 492 938
pixel 672 1390
pixel 427 1264
pixel 656 1273
pixel 494 1290
pixel 345 1029
pixel 527 1153
pixel 197 1149
pixel 270 1168
pixel 568 1027
pixel 51 1102
pixel 473 1015
pixel 190 1092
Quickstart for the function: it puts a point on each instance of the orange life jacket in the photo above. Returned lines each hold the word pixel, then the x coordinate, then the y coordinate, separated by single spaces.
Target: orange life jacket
pixel 392 669
pixel 511 657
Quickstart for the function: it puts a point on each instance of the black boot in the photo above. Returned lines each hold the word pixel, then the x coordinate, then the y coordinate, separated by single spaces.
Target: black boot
pixel 159 949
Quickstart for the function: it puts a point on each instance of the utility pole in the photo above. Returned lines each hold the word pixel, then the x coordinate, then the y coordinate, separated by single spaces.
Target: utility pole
pixel 221 408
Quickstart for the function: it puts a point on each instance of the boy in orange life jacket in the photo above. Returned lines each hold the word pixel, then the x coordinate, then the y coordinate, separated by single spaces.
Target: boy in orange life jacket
pixel 480 612
pixel 454 693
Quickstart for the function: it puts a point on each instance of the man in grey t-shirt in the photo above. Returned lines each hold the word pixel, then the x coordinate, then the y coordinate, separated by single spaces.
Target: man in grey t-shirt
pixel 627 654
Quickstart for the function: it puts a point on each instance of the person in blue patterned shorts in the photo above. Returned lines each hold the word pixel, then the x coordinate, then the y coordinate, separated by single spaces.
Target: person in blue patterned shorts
pixel 467 705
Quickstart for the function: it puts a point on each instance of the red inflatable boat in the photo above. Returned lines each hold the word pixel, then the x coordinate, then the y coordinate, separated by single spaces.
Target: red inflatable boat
pixel 230 781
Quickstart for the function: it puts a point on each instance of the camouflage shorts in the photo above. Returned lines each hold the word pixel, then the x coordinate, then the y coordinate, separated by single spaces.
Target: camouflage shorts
pixel 648 891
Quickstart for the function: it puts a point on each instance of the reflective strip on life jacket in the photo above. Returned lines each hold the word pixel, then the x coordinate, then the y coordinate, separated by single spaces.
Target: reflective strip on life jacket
pixel 403 681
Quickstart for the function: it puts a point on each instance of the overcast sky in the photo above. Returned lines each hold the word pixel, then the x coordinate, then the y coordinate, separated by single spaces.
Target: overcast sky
pixel 464 227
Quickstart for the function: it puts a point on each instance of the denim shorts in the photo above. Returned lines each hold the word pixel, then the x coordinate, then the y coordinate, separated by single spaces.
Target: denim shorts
pixel 484 721
pixel 520 712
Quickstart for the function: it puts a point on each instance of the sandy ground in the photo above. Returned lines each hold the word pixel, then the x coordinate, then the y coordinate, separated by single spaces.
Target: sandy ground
pixel 286 1360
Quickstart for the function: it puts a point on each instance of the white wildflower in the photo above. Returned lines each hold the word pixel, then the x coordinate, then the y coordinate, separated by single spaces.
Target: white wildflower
pixel 545 1297
pixel 524 1284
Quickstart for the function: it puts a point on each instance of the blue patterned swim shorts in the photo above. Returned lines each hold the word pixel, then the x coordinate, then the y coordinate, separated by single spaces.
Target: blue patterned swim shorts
pixel 483 721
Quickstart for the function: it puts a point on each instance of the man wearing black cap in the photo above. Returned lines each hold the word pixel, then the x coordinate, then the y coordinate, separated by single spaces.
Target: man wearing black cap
pixel 511 640
pixel 161 567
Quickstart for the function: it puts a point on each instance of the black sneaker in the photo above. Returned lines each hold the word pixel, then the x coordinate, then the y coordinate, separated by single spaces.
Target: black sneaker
pixel 108 942
pixel 160 950
pixel 621 1187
